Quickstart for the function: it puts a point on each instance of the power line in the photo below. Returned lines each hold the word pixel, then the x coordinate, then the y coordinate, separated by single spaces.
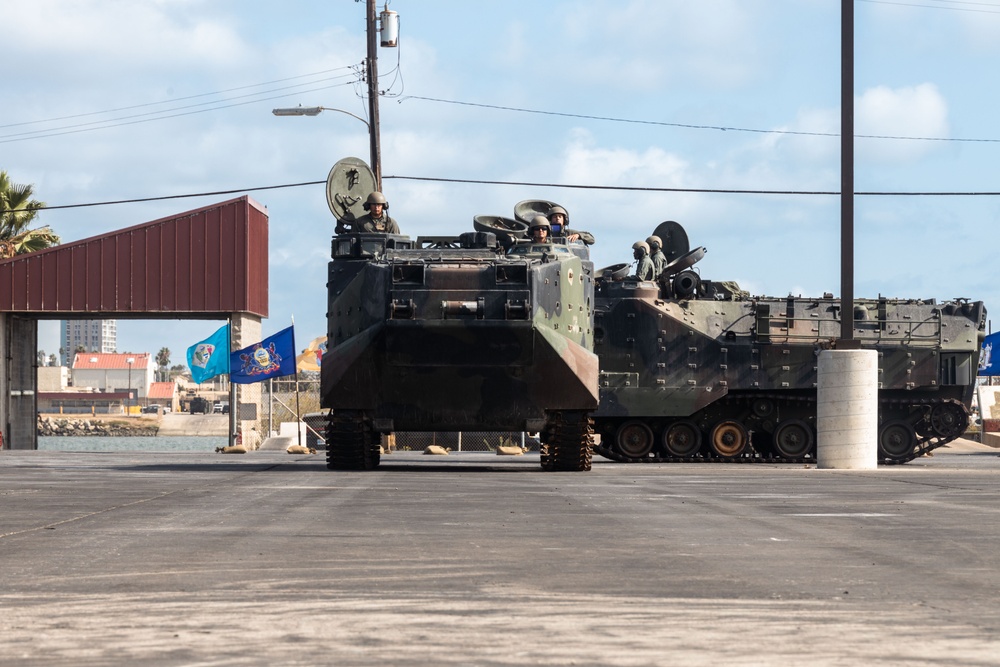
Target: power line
pixel 573 186
pixel 689 126
pixel 626 188
pixel 181 99
pixel 185 196
pixel 953 2
pixel 156 115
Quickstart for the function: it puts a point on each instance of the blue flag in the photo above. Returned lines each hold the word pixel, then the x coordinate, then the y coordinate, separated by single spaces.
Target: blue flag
pixel 272 357
pixel 210 357
pixel 988 364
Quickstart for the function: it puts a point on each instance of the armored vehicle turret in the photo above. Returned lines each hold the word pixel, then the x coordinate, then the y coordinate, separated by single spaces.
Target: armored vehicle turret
pixel 470 332
pixel 698 370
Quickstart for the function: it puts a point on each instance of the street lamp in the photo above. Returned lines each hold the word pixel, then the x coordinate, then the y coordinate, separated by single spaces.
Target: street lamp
pixel 314 111
pixel 130 361
pixel 376 159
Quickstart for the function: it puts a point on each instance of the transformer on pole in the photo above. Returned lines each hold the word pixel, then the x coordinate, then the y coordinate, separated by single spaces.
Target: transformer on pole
pixel 389 38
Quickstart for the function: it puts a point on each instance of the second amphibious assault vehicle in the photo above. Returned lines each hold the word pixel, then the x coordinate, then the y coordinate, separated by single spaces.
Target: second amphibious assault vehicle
pixel 698 370
pixel 476 332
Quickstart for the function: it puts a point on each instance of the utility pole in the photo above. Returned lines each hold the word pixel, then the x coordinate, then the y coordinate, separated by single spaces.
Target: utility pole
pixel 371 69
pixel 847 339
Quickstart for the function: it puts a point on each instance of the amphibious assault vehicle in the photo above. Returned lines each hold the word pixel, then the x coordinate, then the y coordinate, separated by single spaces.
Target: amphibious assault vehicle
pixel 698 370
pixel 483 331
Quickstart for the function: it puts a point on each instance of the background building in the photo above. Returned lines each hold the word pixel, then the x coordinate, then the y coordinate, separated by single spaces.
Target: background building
pixel 131 373
pixel 92 335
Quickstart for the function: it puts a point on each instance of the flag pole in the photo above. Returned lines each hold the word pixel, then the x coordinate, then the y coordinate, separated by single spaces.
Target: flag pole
pixel 232 388
pixel 298 410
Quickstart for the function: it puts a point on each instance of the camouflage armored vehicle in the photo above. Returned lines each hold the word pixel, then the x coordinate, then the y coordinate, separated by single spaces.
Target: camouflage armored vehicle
pixel 698 370
pixel 471 332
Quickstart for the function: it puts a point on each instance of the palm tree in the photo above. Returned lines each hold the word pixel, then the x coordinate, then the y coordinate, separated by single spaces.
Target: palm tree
pixel 17 211
pixel 162 361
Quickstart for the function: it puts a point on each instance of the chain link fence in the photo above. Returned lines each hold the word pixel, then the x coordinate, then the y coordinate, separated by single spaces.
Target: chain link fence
pixel 283 409
pixel 464 441
pixel 415 441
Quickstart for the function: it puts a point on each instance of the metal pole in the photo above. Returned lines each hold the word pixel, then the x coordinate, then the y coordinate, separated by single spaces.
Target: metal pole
pixel 298 410
pixel 372 71
pixel 233 398
pixel 847 177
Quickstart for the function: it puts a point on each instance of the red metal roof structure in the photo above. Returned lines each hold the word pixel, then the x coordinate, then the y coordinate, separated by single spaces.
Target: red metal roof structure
pixel 106 361
pixel 204 263
pixel 162 390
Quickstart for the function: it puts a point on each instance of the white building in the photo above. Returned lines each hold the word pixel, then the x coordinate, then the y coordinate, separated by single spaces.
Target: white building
pixel 92 335
pixel 114 372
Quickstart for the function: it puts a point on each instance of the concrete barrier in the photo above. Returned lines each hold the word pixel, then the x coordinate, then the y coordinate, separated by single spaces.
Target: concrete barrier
pixel 847 410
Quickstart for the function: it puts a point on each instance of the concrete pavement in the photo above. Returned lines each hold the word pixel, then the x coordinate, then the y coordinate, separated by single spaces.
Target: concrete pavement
pixel 184 424
pixel 473 559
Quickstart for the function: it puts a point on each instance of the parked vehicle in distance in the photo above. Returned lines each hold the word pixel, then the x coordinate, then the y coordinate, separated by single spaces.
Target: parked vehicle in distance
pixel 153 409
pixel 200 405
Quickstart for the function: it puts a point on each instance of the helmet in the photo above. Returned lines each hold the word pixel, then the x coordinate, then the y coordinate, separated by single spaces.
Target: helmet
pixel 558 209
pixel 641 245
pixel 540 221
pixel 376 198
pixel 654 239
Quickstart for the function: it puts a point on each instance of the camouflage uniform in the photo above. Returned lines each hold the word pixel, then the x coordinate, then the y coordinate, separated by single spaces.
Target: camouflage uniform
pixel 367 223
pixel 585 237
pixel 656 254
pixel 659 262
pixel 645 269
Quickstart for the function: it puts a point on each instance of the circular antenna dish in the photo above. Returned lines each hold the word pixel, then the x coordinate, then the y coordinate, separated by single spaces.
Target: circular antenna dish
pixel 506 230
pixel 529 208
pixel 684 261
pixel 347 187
pixel 614 273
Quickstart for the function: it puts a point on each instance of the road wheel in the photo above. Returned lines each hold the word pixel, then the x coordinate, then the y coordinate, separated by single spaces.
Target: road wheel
pixel 682 439
pixel 729 439
pixel 634 439
pixel 793 439
pixel 896 441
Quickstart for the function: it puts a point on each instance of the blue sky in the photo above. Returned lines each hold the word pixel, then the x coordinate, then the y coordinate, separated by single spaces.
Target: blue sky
pixel 171 97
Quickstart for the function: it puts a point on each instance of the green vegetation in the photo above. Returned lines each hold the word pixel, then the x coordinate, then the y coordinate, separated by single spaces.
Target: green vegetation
pixel 18 211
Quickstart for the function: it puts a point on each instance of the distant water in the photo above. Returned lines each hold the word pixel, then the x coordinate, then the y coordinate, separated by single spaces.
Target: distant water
pixel 176 443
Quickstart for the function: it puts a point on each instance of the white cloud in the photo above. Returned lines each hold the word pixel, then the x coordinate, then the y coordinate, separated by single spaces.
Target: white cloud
pixel 585 162
pixel 125 36
pixel 645 43
pixel 911 111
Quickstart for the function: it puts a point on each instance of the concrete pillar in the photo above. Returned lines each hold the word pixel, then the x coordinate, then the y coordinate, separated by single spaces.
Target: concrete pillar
pixel 4 383
pixel 19 368
pixel 847 410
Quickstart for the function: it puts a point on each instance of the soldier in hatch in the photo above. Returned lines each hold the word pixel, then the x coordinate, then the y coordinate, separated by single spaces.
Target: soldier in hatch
pixel 540 229
pixel 656 254
pixel 559 218
pixel 644 270
pixel 377 218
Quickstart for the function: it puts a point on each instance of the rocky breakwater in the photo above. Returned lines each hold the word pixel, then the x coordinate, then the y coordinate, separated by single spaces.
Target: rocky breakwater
pixel 97 427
